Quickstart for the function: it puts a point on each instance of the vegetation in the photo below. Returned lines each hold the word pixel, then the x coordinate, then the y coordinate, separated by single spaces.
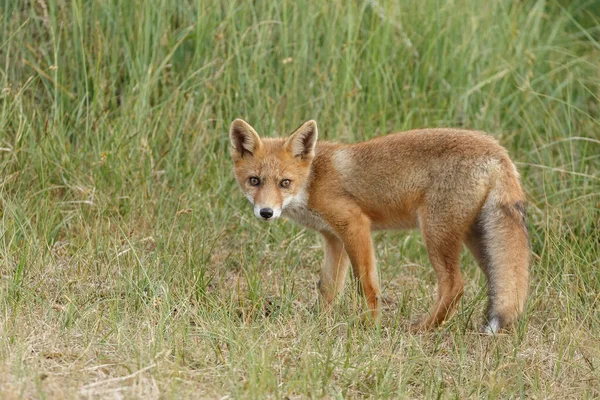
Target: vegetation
pixel 132 267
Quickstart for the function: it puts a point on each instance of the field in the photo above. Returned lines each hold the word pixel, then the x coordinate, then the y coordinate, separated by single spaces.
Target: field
pixel 131 266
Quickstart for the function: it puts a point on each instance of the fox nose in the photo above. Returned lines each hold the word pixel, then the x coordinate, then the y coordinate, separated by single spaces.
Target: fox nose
pixel 266 213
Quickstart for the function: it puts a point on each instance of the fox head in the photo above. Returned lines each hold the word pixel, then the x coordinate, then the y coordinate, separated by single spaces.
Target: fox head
pixel 273 173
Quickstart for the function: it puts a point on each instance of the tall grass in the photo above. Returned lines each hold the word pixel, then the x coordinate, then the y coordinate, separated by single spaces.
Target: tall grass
pixel 132 266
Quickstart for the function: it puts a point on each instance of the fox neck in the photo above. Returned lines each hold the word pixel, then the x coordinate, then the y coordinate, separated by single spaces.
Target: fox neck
pixel 299 201
pixel 298 210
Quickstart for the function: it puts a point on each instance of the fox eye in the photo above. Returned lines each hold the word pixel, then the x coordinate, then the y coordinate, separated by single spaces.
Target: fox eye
pixel 285 183
pixel 254 181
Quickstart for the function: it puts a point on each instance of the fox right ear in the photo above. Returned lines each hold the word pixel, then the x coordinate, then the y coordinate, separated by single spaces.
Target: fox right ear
pixel 303 140
pixel 244 139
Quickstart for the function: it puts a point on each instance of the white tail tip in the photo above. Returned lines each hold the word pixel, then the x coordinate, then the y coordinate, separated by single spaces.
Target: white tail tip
pixel 492 327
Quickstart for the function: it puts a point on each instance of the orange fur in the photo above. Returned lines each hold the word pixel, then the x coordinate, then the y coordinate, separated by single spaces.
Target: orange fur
pixel 456 186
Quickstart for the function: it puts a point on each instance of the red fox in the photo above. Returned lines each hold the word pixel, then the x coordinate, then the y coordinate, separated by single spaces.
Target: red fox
pixel 456 186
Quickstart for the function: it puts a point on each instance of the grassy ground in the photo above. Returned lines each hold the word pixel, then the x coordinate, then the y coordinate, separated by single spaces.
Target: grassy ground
pixel 132 267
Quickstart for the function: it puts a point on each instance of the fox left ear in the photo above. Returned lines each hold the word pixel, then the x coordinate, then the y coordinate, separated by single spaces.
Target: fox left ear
pixel 302 142
pixel 244 139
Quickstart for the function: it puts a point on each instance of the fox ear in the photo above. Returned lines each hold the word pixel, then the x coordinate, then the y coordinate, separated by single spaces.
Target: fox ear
pixel 302 142
pixel 244 139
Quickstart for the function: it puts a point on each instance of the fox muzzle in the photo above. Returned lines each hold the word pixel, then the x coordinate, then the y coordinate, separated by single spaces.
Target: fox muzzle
pixel 266 213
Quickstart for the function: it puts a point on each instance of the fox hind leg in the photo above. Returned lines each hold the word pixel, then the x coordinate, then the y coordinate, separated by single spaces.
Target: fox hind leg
pixel 443 247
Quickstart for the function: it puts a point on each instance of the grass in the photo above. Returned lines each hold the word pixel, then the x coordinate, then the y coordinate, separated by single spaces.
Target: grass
pixel 132 267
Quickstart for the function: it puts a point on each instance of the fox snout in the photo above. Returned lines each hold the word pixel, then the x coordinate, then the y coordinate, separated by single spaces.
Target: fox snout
pixel 266 213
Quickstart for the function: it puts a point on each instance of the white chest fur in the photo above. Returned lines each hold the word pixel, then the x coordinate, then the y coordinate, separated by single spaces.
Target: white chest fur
pixel 297 209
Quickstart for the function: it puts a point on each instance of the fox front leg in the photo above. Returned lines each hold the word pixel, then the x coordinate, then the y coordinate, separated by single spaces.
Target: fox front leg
pixel 335 267
pixel 356 236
